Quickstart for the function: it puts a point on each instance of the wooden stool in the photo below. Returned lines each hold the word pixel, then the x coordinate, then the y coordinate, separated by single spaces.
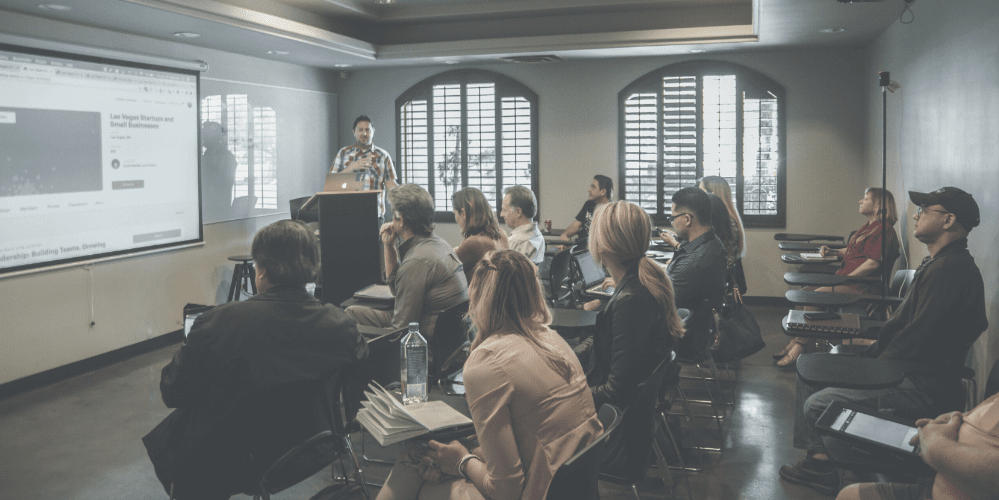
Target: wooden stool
pixel 242 274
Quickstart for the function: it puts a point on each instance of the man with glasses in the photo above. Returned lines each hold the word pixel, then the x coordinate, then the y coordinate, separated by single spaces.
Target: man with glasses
pixel 942 314
pixel 700 262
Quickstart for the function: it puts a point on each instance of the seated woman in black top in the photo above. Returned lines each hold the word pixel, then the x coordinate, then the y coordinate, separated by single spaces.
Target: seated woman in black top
pixel 633 334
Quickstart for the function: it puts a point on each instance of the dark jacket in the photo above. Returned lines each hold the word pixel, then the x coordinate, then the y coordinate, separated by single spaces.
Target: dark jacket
pixel 630 339
pixel 942 314
pixel 233 353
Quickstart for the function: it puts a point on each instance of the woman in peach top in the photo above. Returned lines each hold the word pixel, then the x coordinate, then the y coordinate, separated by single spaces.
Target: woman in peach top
pixel 963 449
pixel 525 389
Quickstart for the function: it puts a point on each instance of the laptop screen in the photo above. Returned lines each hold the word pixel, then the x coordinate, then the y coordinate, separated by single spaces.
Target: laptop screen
pixel 592 273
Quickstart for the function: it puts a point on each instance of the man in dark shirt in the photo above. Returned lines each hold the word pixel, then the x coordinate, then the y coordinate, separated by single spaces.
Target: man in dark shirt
pixel 698 267
pixel 282 335
pixel 942 314
pixel 600 192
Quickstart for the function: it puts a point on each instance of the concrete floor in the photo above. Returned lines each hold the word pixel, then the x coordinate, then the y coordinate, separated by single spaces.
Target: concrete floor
pixel 80 438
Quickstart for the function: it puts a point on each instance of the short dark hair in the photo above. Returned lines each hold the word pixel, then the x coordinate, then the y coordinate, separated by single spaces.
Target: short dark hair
pixel 288 251
pixel 415 206
pixel 604 182
pixel 694 201
pixel 524 199
pixel 362 118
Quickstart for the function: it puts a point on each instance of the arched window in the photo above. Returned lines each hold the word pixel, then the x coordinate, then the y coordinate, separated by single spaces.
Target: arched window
pixel 468 128
pixel 692 119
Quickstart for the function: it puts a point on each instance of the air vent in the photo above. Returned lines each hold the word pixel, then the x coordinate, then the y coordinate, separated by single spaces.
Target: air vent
pixel 549 58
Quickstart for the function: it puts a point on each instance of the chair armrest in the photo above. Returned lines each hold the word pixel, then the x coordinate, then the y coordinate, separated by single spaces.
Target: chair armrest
pixel 850 372
pixel 821 299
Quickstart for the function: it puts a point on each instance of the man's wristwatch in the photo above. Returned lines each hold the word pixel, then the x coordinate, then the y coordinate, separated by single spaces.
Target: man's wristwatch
pixel 461 464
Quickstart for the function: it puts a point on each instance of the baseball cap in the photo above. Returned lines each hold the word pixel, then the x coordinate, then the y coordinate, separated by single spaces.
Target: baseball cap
pixel 955 200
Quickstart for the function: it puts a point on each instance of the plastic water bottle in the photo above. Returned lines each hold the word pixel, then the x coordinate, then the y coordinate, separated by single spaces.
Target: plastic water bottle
pixel 413 366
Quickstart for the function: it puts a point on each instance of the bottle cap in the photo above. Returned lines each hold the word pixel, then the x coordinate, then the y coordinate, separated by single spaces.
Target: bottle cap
pixel 414 326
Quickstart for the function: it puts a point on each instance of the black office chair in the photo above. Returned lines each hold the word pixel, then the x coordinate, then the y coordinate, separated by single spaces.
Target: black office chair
pixel 448 340
pixel 341 398
pixel 646 412
pixel 561 293
pixel 576 479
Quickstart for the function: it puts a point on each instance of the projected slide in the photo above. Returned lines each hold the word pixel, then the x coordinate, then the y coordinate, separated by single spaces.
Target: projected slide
pixel 96 159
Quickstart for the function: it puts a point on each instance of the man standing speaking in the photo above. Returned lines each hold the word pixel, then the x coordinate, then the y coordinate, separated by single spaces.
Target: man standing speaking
pixel 365 156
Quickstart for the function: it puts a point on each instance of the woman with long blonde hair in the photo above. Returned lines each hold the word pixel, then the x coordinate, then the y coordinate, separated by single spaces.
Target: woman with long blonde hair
pixel 719 187
pixel 525 389
pixel 635 331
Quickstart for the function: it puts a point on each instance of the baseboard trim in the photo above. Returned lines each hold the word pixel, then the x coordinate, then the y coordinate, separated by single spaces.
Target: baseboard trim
pixel 751 300
pixel 38 380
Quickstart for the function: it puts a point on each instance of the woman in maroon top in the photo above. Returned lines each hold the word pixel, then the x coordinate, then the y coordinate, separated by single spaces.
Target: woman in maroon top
pixel 861 257
pixel 478 224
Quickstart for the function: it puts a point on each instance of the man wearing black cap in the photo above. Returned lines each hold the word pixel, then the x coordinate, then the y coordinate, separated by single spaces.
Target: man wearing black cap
pixel 942 314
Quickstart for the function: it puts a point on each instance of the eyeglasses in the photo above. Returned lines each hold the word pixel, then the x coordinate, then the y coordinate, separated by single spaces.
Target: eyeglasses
pixel 671 218
pixel 920 210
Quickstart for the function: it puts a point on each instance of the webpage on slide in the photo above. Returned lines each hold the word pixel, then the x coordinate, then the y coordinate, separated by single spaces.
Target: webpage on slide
pixel 94 158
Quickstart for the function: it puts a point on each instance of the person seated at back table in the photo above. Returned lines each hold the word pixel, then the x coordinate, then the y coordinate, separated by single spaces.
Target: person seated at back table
pixel 519 208
pixel 600 192
pixel 478 224
pixel 861 257
pixel 422 270
pixel 525 390
pixel 962 449
pixel 633 334
pixel 233 352
pixel 942 314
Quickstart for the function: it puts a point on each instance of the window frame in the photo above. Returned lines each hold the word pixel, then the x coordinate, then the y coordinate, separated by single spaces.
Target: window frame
pixel 504 87
pixel 746 79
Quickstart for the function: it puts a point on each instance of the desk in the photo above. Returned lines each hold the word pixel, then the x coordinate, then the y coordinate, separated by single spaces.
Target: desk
pixel 869 329
pixel 797 246
pixel 821 299
pixel 851 372
pixel 806 237
pixel 572 318
pixel 793 258
pixel 818 279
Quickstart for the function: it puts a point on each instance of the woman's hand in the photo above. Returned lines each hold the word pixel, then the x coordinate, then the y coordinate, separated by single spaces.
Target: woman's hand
pixel 447 456
pixel 943 427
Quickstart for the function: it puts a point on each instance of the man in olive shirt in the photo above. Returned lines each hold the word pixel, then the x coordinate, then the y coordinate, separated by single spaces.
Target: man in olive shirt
pixel 942 314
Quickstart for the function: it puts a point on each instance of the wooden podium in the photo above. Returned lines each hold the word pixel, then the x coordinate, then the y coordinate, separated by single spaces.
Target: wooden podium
pixel 348 238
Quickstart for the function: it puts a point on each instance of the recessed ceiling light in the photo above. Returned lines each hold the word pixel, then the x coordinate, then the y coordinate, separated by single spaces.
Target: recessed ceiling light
pixel 451 62
pixel 342 65
pixel 187 34
pixel 832 30
pixel 54 6
pixel 278 52
pixel 696 51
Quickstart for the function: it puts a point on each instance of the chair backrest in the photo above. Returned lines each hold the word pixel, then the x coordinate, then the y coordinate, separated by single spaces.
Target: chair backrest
pixel 577 478
pixel 449 335
pixel 908 276
pixel 559 272
pixel 300 463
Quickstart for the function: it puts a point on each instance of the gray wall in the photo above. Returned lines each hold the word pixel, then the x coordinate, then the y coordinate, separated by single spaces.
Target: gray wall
pixel 942 126
pixel 578 135
pixel 46 316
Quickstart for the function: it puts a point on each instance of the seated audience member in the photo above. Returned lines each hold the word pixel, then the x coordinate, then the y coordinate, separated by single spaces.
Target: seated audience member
pixel 861 257
pixel 942 314
pixel 699 264
pixel 280 335
pixel 478 224
pixel 525 389
pixel 421 269
pixel 519 208
pixel 719 187
pixel 600 193
pixel 634 333
pixel 722 224
pixel 963 449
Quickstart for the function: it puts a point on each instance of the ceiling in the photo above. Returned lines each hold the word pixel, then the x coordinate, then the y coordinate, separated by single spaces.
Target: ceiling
pixel 371 33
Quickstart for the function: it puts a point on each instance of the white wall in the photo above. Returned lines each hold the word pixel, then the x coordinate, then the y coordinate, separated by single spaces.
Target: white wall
pixel 942 127
pixel 46 316
pixel 578 135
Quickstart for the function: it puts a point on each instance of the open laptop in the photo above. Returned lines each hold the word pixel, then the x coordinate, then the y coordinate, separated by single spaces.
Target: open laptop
pixel 338 182
pixel 593 275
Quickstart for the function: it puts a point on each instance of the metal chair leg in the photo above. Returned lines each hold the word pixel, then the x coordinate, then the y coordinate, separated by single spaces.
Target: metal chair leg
pixel 357 467
pixel 693 428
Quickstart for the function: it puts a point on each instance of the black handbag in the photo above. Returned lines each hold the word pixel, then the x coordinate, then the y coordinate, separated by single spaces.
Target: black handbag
pixel 738 334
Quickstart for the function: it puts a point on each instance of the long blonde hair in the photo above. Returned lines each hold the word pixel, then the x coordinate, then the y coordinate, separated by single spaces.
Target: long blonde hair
pixel 620 233
pixel 505 296
pixel 719 187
